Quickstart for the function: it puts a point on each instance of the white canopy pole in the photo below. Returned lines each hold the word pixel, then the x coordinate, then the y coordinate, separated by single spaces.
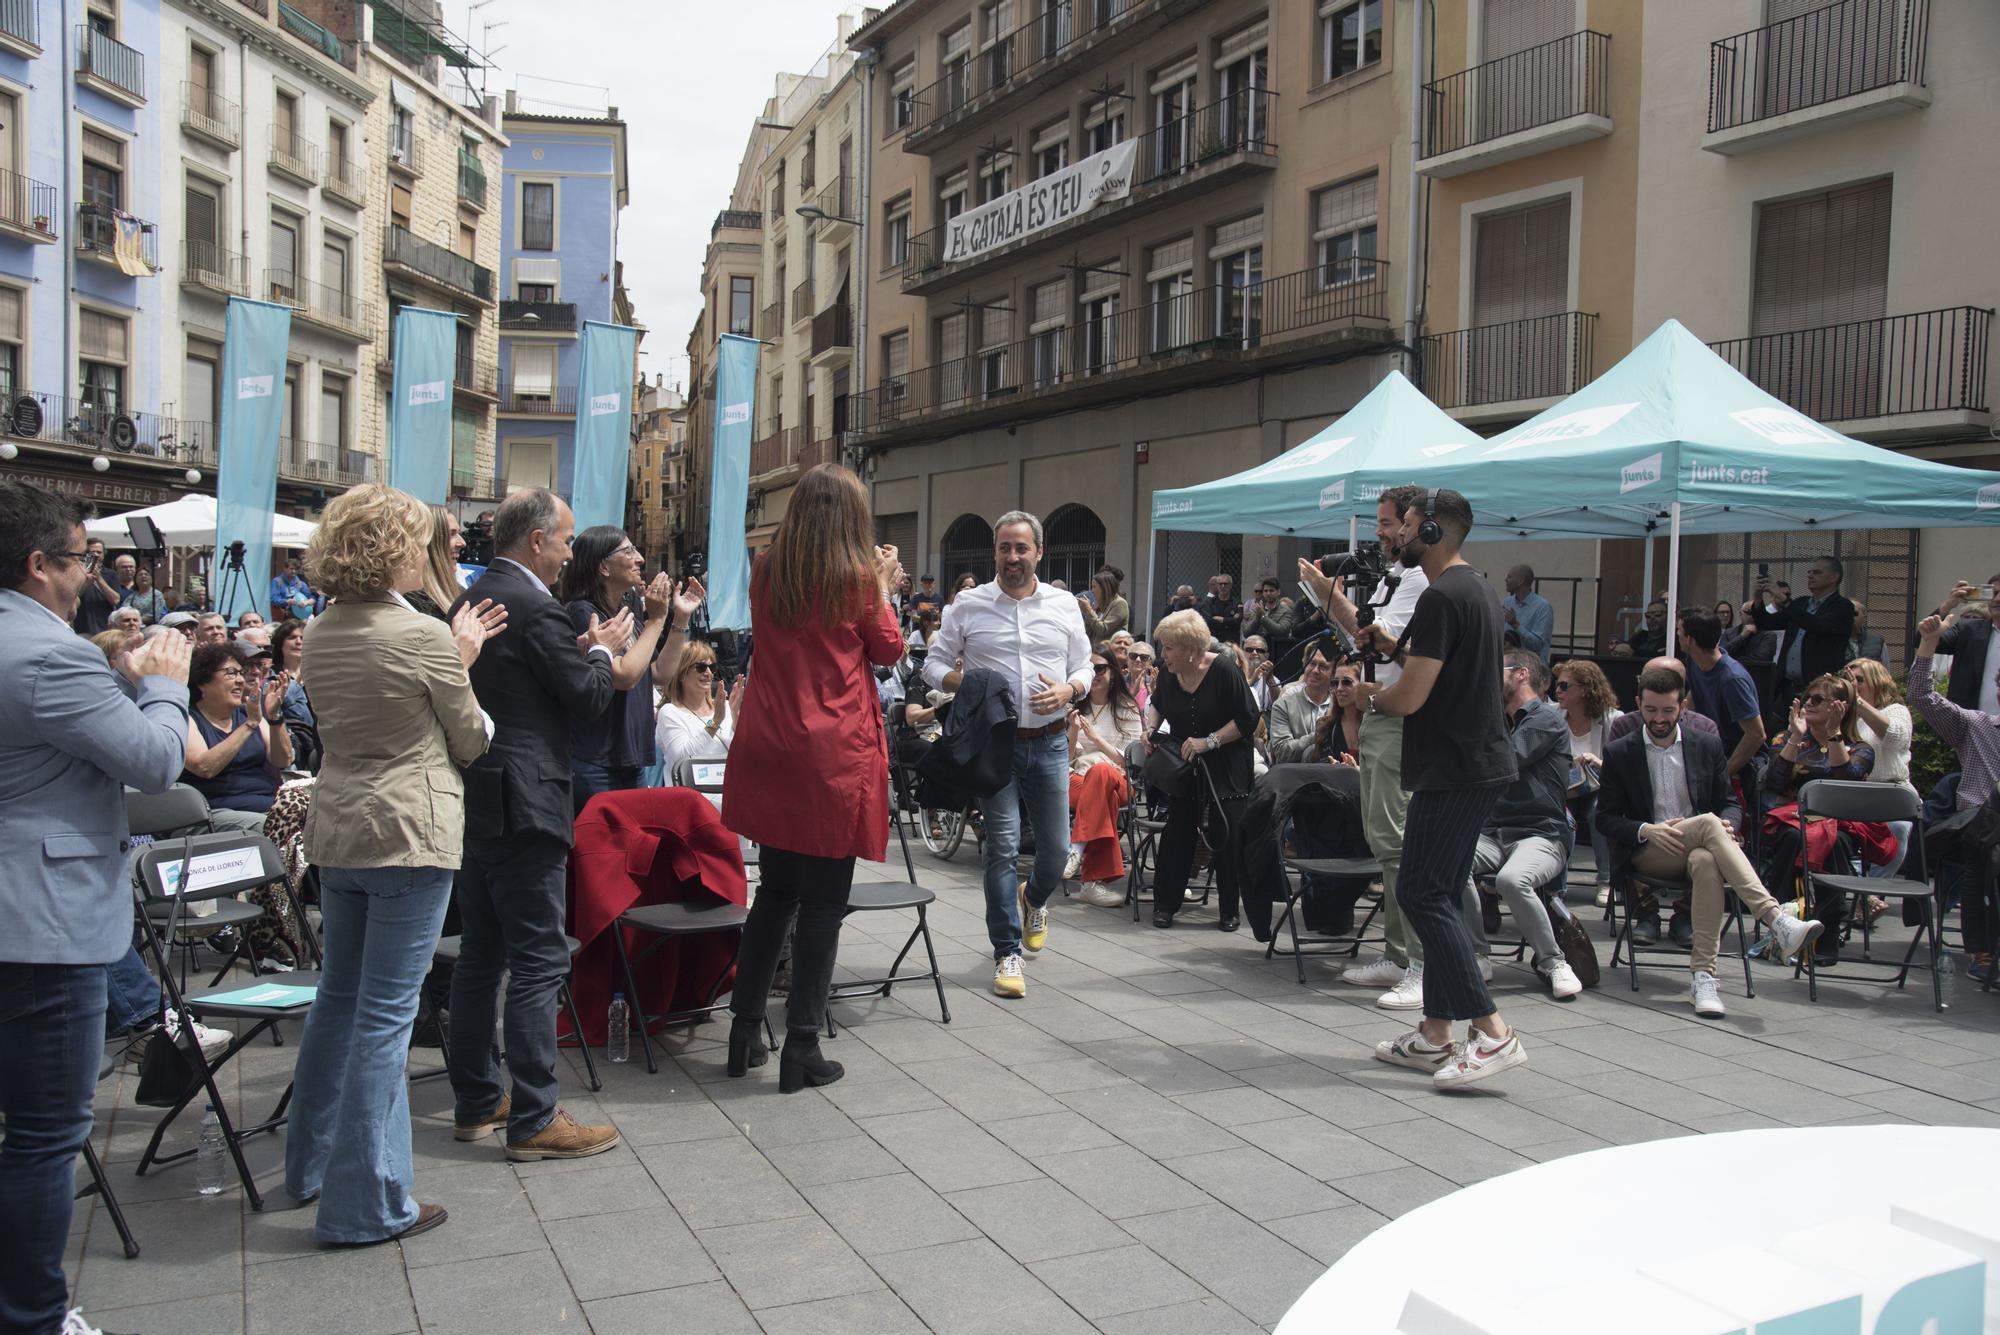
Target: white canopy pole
pixel 1646 578
pixel 1673 569
pixel 1353 529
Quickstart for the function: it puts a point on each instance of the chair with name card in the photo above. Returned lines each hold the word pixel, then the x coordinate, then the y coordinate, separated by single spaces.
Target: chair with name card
pixel 194 869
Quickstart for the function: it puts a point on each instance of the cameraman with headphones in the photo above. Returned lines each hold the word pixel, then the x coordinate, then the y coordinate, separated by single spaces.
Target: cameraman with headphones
pixel 1400 970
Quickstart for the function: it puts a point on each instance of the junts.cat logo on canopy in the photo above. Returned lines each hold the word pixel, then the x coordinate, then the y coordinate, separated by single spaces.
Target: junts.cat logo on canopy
pixel 1641 473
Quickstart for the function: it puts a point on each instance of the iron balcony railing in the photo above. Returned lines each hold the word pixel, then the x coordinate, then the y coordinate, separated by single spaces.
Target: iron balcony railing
pixel 545 316
pixel 833 328
pixel 802 301
pixel 205 264
pixel 471 179
pixel 748 219
pixel 475 377
pixel 90 424
pixel 474 484
pixel 1845 48
pixel 1201 322
pixel 402 246
pixel 1933 361
pixel 104 57
pixel 406 151
pixel 1529 89
pixel 97 230
pixel 312 34
pixel 309 461
pixel 776 450
pixel 316 301
pixel 27 203
pixel 836 201
pixel 293 154
pixel 18 20
pixel 1062 28
pixel 550 401
pixel 207 112
pixel 345 178
pixel 1508 362
pixel 771 320
pixel 1240 123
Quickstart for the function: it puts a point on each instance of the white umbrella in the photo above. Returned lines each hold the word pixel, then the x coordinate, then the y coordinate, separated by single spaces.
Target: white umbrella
pixel 190 522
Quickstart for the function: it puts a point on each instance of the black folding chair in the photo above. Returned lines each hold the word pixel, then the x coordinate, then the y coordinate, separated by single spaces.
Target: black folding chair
pixel 1847 799
pixel 1294 872
pixel 1661 888
pixel 100 1185
pixel 189 870
pixel 1147 824
pixel 182 809
pixel 878 896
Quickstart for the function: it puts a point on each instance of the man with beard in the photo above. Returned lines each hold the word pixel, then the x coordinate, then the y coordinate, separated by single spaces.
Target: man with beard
pixel 1384 804
pixel 1666 807
pixel 1031 634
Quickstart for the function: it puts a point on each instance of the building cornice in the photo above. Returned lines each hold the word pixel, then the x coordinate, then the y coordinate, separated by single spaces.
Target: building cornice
pixel 238 21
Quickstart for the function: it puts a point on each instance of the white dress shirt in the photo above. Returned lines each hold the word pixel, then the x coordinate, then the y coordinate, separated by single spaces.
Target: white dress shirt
pixel 1667 765
pixel 1022 639
pixel 1394 610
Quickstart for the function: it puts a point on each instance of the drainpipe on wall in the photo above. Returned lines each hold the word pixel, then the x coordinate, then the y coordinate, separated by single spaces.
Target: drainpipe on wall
pixel 69 196
pixel 858 384
pixel 1412 326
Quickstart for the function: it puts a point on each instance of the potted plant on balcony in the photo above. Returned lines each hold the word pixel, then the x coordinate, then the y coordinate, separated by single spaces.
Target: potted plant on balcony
pixel 42 223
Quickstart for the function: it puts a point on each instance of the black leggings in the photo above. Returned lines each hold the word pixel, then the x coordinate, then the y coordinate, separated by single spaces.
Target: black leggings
pixel 814 888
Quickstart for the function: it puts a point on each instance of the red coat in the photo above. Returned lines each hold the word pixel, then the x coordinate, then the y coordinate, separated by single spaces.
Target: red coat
pixel 809 767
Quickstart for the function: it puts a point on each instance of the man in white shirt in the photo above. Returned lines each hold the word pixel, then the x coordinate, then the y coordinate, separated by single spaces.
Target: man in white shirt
pixel 1384 804
pixel 1031 634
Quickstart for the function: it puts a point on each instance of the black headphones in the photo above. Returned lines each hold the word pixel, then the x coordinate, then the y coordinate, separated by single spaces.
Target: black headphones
pixel 1430 532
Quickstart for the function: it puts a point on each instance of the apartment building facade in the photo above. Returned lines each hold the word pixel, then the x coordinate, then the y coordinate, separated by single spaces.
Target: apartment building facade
pixel 657 480
pixel 1234 281
pixel 562 189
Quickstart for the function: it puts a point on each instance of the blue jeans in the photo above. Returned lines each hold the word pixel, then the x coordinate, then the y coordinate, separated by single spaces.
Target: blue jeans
pixel 1041 782
pixel 132 995
pixel 349 1136
pixel 51 1039
pixel 588 779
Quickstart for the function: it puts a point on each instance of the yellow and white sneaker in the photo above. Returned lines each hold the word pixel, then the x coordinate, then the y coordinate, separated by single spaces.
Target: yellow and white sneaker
pixel 1034 924
pixel 1008 980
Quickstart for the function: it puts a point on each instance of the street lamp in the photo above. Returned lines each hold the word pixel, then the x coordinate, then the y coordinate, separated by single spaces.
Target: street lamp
pixel 814 213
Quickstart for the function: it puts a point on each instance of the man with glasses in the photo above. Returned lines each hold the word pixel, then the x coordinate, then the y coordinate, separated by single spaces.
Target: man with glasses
pixel 100 597
pixel 1264 685
pixel 75 740
pixel 1816 627
pixel 1295 717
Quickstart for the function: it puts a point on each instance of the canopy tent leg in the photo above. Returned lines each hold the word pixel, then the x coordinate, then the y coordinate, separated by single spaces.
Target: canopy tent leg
pixel 1646 576
pixel 1141 628
pixel 1673 570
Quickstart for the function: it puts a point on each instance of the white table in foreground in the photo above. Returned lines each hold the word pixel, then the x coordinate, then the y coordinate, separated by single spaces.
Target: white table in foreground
pixel 1698 1235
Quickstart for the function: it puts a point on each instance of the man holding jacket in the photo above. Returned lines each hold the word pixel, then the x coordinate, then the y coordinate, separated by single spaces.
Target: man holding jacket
pixel 73 740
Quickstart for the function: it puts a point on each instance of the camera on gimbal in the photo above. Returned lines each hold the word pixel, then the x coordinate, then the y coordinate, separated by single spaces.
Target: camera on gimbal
pixel 1365 568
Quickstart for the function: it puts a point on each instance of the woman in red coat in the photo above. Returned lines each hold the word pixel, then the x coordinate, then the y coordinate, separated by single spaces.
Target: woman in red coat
pixel 808 776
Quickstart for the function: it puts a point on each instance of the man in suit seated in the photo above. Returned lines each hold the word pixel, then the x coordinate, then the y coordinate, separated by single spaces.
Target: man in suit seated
pixel 1646 930
pixel 1665 805
pixel 534 682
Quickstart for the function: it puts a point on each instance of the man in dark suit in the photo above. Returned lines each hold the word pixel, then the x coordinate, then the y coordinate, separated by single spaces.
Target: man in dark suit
pixel 1816 627
pixel 1971 642
pixel 533 682
pixel 1666 807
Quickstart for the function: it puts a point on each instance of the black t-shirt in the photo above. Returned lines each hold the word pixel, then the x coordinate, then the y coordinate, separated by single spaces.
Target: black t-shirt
pixel 1219 699
pixel 93 609
pixel 1459 738
pixel 622 735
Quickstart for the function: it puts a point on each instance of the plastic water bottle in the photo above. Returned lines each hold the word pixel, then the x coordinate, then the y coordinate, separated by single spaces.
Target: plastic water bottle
pixel 618 1030
pixel 210 1157
pixel 1947 967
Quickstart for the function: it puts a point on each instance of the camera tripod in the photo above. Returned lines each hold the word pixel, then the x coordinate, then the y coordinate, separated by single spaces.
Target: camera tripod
pixel 234 577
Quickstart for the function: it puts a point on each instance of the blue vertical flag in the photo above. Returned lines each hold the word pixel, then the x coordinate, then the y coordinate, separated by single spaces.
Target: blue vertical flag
pixel 246 475
pixel 420 411
pixel 603 424
pixel 729 482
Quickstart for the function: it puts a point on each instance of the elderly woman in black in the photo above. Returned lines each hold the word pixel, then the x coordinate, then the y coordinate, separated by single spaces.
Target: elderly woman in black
pixel 1209 714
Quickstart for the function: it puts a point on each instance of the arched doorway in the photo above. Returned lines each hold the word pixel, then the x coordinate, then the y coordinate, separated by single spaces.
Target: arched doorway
pixel 1072 546
pixel 967 548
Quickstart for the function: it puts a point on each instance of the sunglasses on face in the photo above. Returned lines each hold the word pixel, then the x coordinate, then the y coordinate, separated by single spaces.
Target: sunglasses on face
pixel 1096 668
pixel 1819 699
pixel 1258 653
pixel 1560 687
pixel 704 668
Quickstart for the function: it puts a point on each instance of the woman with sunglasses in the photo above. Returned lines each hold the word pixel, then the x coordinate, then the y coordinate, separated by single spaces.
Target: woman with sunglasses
pixel 1584 694
pixel 1822 740
pixel 1100 729
pixel 1338 736
pixel 697 721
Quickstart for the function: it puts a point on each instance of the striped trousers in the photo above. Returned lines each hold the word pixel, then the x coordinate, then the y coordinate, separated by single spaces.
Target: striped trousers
pixel 1440 836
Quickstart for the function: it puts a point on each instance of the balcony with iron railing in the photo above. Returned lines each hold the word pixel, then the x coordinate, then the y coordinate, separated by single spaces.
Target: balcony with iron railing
pixel 1885 379
pixel 802 301
pixel 1198 151
pixel 771 321
pixel 538 400
pixel 471 378
pixel 540 317
pixel 114 237
pixel 1205 334
pixel 832 206
pixel 293 156
pixel 207 267
pixel 206 114
pixel 743 220
pixel 20 28
pixel 329 465
pixel 407 253
pixel 474 484
pixel 471 180
pixel 91 427
pixel 346 180
pixel 110 67
pixel 1848 61
pixel 318 305
pixel 1027 61
pixel 1534 101
pixel 1509 370
pixel 27 208
pixel 775 452
pixel 406 150
pixel 833 334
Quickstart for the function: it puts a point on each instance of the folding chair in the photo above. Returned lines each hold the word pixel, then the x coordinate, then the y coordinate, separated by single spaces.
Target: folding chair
pixel 189 870
pixel 1145 830
pixel 152 816
pixel 100 1185
pixel 1846 799
pixel 880 897
pixel 447 952
pixel 1294 871
pixel 705 775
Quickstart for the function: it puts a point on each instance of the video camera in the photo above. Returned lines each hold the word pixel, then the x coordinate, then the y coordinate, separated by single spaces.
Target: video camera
pixel 478 536
pixel 1366 568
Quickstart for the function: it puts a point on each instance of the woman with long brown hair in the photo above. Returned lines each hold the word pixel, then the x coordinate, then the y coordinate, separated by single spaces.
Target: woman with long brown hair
pixel 808 775
pixel 1584 694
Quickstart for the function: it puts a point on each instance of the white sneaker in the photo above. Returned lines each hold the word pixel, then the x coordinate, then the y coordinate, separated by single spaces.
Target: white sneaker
pixel 1485 968
pixel 1706 994
pixel 1098 894
pixel 1480 1058
pixel 1562 980
pixel 1072 864
pixel 1603 893
pixel 1414 1051
pixel 1407 994
pixel 1378 972
pixel 74 1324
pixel 1792 935
pixel 1008 979
pixel 213 1041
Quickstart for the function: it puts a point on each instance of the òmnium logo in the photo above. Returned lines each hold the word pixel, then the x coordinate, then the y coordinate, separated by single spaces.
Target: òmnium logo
pixel 1988 498
pixel 1641 473
pixel 1570 426
pixel 1164 508
pixel 1782 426
pixel 601 404
pixel 734 414
pixel 254 387
pixel 430 391
pixel 1332 494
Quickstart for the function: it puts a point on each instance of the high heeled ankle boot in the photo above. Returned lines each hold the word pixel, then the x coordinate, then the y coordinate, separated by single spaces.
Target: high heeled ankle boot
pixel 800 1064
pixel 746 1045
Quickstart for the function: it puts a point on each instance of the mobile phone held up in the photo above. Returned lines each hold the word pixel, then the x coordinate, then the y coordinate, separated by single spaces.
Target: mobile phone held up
pixel 1763 570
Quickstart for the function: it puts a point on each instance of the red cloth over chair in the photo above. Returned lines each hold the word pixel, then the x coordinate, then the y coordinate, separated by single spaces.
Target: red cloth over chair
pixel 649 846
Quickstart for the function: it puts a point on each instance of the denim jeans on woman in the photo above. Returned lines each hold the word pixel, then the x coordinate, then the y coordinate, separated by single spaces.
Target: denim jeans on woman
pixel 349 1137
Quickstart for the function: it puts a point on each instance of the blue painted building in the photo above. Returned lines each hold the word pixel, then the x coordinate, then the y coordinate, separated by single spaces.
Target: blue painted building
pixel 563 183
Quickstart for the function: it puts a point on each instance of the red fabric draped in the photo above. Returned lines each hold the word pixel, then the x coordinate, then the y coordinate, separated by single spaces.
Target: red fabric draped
pixel 1096 796
pixel 1872 839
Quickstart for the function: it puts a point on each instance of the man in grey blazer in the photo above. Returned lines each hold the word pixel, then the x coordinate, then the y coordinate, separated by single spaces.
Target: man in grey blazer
pixel 71 739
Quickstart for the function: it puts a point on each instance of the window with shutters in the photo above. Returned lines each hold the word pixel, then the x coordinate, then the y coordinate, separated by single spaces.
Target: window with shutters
pixel 996 331
pixel 104 342
pixel 13 313
pixel 1820 290
pixel 538 215
pixel 1350 37
pixel 1104 122
pixel 996 42
pixel 284 257
pixel 103 171
pixel 1536 89
pixel 543 293
pixel 399 205
pixel 464 446
pixel 468 240
pixel 954 376
pixel 895 367
pixel 1517 347
pixel 1170 272
pixel 1056 26
pixel 1243 81
pixel 1049 312
pixel 288 426
pixel 1508 27
pixel 1098 327
pixel 951 196
pixel 1344 232
pixel 201 215
pixel 339 166
pixel 896 231
pixel 534 373
pixel 953 65
pixel 1051 148
pixel 201 396
pixel 777 403
pixel 332 414
pixel 902 95
pixel 996 173
pixel 742 303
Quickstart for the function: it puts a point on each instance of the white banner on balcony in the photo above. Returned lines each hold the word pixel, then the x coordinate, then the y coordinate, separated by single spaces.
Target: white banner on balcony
pixel 1040 205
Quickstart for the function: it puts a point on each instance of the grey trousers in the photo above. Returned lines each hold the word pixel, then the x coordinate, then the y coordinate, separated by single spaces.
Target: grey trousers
pixel 1519 865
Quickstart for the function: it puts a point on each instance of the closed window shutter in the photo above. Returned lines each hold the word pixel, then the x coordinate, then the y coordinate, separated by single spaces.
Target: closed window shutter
pixel 1241 235
pixel 102 148
pixel 534 370
pixel 1168 260
pixel 201 218
pixel 996 329
pixel 1508 26
pixel 1777 11
pixel 957 42
pixel 951 338
pixel 898 356
pixel 543 273
pixel 1344 208
pixel 1822 260
pixel 1051 135
pixel 898 531
pixel 10 314
pixel 1097 285
pixel 1242 43
pixel 102 338
pixel 1051 306
pixel 1521 264
pixel 1174 75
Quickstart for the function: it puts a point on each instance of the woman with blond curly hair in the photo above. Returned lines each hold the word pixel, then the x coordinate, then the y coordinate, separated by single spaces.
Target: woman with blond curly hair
pixel 397 719
pixel 1883 721
pixel 1584 694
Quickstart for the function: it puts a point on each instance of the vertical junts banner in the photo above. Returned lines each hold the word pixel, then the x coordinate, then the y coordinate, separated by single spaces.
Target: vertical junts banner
pixel 420 408
pixel 729 482
pixel 603 424
pixel 255 336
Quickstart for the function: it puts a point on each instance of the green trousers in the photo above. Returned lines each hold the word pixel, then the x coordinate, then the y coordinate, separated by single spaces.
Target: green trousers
pixel 1384 804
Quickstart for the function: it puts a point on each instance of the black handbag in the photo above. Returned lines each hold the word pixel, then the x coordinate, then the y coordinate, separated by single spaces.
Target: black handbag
pixel 1574 939
pixel 1166 770
pixel 167 1070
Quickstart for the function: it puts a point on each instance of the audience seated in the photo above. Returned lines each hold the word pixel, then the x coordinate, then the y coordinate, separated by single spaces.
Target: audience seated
pixel 211 628
pixel 1821 741
pixel 1884 724
pixel 1668 810
pixel 1100 729
pixel 235 755
pixel 1295 715
pixel 1649 639
pixel 1631 721
pixel 1589 706
pixel 1746 642
pixel 1974 734
pixel 697 720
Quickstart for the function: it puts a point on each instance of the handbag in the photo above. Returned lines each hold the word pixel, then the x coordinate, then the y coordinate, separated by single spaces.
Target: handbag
pixel 1166 770
pixel 1574 941
pixel 167 1070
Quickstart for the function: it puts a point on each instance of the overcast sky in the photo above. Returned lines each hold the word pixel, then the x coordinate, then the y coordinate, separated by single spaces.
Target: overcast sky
pixel 689 77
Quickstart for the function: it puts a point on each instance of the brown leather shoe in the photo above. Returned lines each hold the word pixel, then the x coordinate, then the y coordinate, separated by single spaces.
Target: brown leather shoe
pixel 478 1127
pixel 563 1138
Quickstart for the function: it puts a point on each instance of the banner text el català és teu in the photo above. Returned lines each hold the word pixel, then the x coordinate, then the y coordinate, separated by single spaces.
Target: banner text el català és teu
pixel 1040 205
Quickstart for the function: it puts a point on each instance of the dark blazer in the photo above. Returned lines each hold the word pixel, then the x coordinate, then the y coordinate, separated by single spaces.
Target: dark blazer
pixel 1826 633
pixel 1966 642
pixel 975 751
pixel 1625 798
pixel 532 680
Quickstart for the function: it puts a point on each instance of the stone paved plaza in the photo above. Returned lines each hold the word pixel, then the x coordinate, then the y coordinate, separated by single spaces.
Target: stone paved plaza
pixel 1167 1135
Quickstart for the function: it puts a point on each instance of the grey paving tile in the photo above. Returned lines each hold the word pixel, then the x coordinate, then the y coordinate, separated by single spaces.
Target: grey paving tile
pixel 1967 1084
pixel 1397 1191
pixel 974 1288
pixel 211 1314
pixel 1206 1316
pixel 497 1295
pixel 888 1214
pixel 1775 1097
pixel 1120 1181
pixel 1257 1185
pixel 714 1183
pixel 840 1160
pixel 1016 1043
pixel 1253 1270
pixel 1932 1109
pixel 1326 1235
pixel 862 1094
pixel 786 1261
pixel 191 1248
pixel 1124 1279
pixel 1320 1148
pixel 1150 1121
pixel 907 1041
pixel 592 1191
pixel 711 1309
pixel 634 1252
pixel 1071 1074
pixel 1049 1133
pixel 1158 1065
pixel 1035 1221
pixel 877 1313
pixel 767 1118
pixel 948 1150
pixel 980 1089
pixel 364 1292
pixel 1239 1106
